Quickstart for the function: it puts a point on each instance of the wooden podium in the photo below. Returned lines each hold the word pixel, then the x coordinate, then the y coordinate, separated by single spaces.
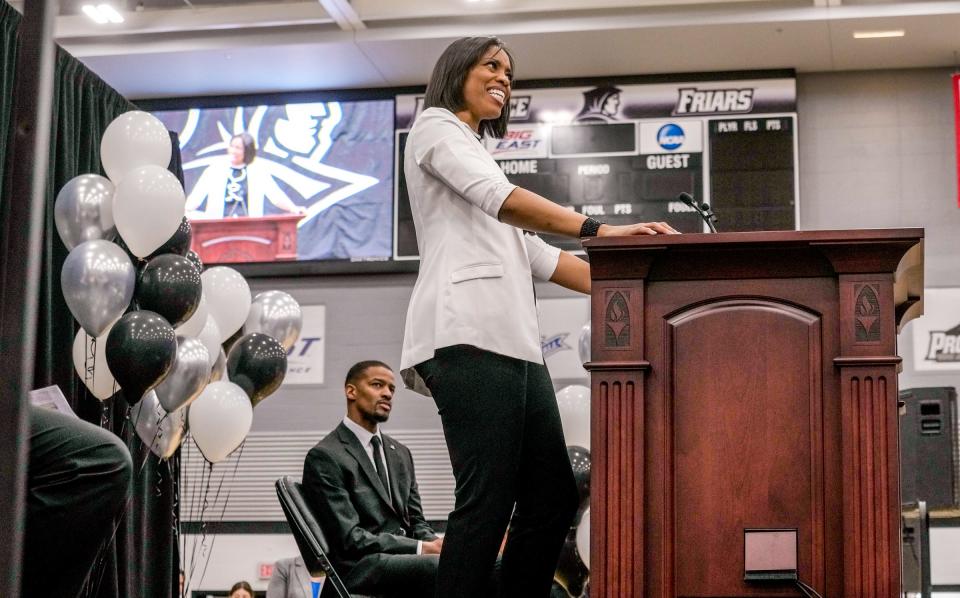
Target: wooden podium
pixel 747 380
pixel 248 239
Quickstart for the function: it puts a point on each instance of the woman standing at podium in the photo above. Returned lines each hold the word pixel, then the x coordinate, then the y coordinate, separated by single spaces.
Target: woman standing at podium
pixel 237 186
pixel 472 340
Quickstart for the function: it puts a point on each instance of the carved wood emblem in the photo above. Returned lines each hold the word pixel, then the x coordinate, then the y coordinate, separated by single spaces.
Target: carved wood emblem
pixel 616 320
pixel 866 316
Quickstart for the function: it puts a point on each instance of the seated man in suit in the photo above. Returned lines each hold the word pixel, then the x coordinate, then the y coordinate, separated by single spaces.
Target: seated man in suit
pixel 360 485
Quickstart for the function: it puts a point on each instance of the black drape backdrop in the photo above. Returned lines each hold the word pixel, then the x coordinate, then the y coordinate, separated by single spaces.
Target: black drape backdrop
pixel 143 562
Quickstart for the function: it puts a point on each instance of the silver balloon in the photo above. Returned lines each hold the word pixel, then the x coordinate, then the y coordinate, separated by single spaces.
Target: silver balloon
pixel 188 376
pixel 97 281
pixel 84 210
pixel 161 431
pixel 583 345
pixel 219 370
pixel 275 314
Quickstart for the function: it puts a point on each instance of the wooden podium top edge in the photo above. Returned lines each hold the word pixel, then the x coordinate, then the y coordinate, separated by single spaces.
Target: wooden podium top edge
pixel 759 238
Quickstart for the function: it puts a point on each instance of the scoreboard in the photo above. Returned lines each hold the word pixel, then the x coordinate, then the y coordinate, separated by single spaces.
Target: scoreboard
pixel 625 157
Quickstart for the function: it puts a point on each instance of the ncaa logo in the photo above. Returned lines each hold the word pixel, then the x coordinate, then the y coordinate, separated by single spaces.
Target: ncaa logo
pixel 670 136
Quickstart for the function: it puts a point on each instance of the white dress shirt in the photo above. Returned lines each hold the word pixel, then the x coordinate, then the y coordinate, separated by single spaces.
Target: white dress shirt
pixel 366 441
pixel 475 282
pixel 365 437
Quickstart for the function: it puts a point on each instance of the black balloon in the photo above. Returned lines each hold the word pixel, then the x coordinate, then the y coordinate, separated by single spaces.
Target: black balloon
pixel 140 351
pixel 257 363
pixel 169 285
pixel 230 342
pixel 580 462
pixel 571 573
pixel 195 259
pixel 179 243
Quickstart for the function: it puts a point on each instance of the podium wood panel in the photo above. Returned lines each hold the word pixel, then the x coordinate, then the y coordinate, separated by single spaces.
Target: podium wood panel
pixel 247 239
pixel 745 380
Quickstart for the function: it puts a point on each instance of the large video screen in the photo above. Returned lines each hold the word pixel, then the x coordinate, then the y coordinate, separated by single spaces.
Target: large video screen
pixel 298 181
pixel 623 151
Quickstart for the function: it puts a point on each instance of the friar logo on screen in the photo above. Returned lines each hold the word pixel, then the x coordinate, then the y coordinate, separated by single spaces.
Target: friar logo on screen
pixel 692 100
pixel 944 346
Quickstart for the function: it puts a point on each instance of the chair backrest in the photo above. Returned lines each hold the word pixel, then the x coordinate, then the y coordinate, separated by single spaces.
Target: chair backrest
pixel 307 533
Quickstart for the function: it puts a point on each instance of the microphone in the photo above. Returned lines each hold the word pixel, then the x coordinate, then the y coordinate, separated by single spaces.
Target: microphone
pixel 703 209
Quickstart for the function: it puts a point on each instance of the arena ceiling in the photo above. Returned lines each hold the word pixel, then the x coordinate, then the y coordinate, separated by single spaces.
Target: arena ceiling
pixel 214 47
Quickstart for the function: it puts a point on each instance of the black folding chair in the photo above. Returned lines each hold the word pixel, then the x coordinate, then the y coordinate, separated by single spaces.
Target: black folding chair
pixel 306 530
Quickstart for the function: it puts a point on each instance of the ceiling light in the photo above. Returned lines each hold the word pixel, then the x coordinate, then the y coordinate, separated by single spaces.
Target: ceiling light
pixel 102 14
pixel 92 12
pixel 878 34
pixel 111 13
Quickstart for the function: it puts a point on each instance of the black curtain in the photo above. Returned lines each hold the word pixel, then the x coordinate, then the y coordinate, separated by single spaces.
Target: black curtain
pixel 143 561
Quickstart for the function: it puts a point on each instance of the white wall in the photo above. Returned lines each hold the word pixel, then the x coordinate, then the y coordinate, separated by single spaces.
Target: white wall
pixel 215 563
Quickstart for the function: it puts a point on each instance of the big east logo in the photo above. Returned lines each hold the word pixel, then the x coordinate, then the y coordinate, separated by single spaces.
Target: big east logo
pixel 713 101
pixel 522 139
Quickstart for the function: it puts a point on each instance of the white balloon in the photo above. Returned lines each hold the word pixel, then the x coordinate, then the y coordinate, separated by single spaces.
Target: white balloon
pixel 197 321
pixel 134 139
pixel 148 207
pixel 102 384
pixel 583 344
pixel 210 337
pixel 583 538
pixel 220 419
pixel 228 298
pixel 574 404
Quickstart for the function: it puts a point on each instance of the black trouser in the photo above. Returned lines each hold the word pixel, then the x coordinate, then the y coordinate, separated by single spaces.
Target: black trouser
pixel 503 431
pixel 78 480
pixel 393 576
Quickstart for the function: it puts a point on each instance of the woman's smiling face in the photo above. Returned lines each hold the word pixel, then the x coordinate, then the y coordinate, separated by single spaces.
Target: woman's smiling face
pixel 486 89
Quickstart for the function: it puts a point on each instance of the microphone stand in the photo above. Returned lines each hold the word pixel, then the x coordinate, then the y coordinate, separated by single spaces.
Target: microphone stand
pixel 703 209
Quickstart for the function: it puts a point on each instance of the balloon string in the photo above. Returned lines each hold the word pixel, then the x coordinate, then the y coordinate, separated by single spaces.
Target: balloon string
pixel 223 510
pixel 192 514
pixel 100 560
pixel 206 475
pixel 90 360
pixel 105 408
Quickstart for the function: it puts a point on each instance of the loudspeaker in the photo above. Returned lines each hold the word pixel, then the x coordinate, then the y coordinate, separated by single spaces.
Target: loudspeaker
pixel 928 447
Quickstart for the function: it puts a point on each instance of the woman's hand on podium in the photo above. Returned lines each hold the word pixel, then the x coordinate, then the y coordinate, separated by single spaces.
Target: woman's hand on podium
pixel 639 228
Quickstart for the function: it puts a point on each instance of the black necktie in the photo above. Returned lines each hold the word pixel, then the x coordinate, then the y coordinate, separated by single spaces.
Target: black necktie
pixel 378 463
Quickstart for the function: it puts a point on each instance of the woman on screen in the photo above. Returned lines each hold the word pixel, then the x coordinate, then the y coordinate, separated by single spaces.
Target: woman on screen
pixel 238 187
pixel 472 340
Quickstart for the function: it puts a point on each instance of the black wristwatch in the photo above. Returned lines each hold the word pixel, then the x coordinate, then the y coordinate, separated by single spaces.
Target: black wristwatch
pixel 590 227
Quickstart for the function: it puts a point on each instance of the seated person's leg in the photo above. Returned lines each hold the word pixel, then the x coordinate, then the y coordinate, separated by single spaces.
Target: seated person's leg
pixel 394 575
pixel 78 480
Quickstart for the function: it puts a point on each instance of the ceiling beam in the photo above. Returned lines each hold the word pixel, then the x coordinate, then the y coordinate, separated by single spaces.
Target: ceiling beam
pixel 344 14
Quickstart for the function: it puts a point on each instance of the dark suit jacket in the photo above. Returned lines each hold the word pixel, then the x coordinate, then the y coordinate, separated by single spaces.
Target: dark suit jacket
pixel 351 504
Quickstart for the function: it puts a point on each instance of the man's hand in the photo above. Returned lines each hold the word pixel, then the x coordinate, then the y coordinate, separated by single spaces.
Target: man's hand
pixel 640 228
pixel 432 546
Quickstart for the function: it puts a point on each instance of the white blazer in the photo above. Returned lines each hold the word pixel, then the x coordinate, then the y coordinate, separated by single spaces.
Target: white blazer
pixel 475 284
pixel 212 186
